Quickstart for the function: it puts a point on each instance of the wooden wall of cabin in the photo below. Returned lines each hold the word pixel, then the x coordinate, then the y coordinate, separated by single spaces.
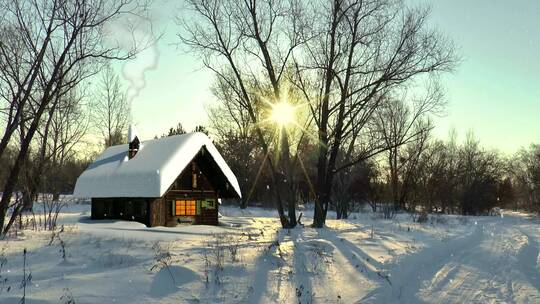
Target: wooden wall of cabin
pixel 191 185
pixel 153 211
pixel 131 209
pixel 207 216
pixel 158 213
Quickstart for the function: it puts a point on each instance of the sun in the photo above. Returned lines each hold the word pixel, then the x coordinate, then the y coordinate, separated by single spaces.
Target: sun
pixel 282 113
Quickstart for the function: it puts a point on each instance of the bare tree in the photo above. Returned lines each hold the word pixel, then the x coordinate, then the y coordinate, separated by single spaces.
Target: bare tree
pixel 69 125
pixel 111 109
pixel 526 174
pixel 235 136
pixel 353 187
pixel 61 131
pixel 428 174
pixel 248 45
pixel 50 47
pixel 400 124
pixel 446 178
pixel 363 51
pixel 480 174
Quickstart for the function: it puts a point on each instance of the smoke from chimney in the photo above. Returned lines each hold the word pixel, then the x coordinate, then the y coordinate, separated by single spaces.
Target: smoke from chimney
pixel 135 34
pixel 146 60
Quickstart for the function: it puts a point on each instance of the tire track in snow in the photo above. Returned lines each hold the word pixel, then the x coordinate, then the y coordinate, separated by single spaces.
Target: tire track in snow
pixel 528 260
pixel 408 274
pixel 497 262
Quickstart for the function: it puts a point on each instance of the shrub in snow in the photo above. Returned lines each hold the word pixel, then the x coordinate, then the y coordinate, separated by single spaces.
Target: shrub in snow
pixel 232 244
pixel 63 249
pixel 218 251
pixel 67 297
pixel 46 217
pixel 56 235
pixel 321 257
pixel 304 295
pixel 422 218
pixel 207 265
pixel 163 258
pixel 51 209
pixel 214 255
pixel 315 256
pixel 26 279
pixel 4 286
pixel 388 211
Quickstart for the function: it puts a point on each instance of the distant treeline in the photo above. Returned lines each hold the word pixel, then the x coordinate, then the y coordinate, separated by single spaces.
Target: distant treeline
pixel 431 176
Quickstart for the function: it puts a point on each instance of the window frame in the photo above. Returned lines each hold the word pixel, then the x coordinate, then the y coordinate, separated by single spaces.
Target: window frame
pixel 179 204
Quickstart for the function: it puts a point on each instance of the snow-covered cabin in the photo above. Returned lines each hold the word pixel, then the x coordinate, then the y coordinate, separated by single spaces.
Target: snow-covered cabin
pixel 159 182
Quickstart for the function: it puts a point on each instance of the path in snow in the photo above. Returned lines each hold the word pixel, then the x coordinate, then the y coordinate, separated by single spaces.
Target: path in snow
pixel 495 262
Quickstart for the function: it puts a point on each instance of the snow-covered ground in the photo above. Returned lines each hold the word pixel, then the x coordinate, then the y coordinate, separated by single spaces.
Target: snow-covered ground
pixel 450 259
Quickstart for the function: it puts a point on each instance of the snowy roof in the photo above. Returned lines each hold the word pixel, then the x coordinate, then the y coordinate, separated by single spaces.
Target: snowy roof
pixel 151 172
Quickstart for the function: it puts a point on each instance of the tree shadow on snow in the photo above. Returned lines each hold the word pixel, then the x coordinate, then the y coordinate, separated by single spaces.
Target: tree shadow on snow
pixel 358 258
pixel 29 300
pixel 264 263
pixel 304 288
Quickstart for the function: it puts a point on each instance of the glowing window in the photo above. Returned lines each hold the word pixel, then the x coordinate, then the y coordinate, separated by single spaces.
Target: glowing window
pixel 185 207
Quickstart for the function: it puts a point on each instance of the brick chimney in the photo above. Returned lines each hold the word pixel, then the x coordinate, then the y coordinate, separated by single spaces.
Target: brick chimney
pixel 133 142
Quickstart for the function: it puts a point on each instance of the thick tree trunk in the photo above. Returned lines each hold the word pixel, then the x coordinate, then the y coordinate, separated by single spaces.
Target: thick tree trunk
pixel 12 180
pixel 321 205
pixel 243 203
pixel 322 196
pixel 373 206
pixel 28 200
pixel 5 139
pixel 13 176
pixel 279 206
pixel 292 213
pixel 16 212
pixel 288 185
pixel 345 210
pixel 318 220
pixel 342 209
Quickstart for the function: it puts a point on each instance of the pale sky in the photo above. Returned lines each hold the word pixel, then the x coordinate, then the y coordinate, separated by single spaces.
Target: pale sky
pixel 495 91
